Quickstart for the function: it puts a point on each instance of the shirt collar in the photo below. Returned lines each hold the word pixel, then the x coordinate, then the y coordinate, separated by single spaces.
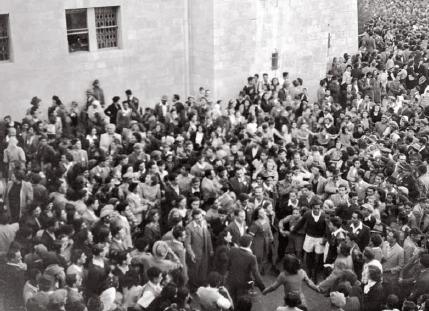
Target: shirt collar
pixel 247 249
pixel 358 227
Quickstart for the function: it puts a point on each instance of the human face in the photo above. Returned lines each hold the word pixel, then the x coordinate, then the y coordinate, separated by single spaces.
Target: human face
pixel 355 219
pixel 241 217
pixel 82 259
pixel 195 204
pixel 295 214
pixel 37 211
pixel 198 219
pixel 258 193
pixel 342 190
pixel 316 210
pixel 228 237
pixel 293 197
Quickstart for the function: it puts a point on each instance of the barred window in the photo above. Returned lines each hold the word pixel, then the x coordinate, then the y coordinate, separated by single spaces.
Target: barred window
pixel 106 23
pixel 77 30
pixel 4 37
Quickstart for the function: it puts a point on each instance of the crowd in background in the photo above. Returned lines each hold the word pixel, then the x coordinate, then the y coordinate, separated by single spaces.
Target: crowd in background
pixel 121 205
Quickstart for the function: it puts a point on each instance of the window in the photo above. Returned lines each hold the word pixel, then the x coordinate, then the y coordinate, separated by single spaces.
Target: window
pixel 4 37
pixel 77 30
pixel 106 24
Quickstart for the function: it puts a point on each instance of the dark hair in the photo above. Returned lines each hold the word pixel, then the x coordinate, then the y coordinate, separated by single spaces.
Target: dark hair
pixel 244 303
pixel 374 273
pixel 153 272
pixel 178 232
pixel 214 279
pixel 291 264
pixel 71 279
pixel 345 288
pixel 76 254
pixel 345 249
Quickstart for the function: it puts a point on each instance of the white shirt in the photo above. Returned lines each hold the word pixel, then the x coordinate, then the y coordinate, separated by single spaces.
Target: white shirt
pixel 241 227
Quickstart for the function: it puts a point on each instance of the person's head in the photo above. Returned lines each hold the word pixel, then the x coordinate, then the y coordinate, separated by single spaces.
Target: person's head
pixel 245 240
pixel 291 264
pixel 244 303
pixel 14 255
pixel 214 279
pixel 415 234
pixel 392 237
pixel 197 216
pixel 179 233
pixel 154 275
pixel 357 217
pixel 344 249
pixel 240 216
pixel 73 280
pixel 374 273
pixel 78 257
pixel 292 300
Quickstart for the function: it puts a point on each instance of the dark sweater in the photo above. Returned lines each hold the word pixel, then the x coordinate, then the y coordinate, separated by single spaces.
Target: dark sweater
pixel 313 228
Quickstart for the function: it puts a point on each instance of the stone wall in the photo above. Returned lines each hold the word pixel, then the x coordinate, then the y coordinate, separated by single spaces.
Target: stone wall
pixel 229 40
pixel 247 32
pixel 150 59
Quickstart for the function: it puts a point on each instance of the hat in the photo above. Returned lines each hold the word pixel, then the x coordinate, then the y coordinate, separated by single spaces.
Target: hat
pixel 369 253
pixel 403 190
pixel 416 146
pixel 368 207
pixel 45 281
pixel 338 299
pixel 155 153
pixel 35 100
pixel 57 297
pixel 160 249
pixel 54 270
pixel 164 97
pixel 128 176
pixel 106 210
pixel 115 98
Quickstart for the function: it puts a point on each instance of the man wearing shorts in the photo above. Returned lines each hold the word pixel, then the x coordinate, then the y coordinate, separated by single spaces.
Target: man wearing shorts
pixel 315 234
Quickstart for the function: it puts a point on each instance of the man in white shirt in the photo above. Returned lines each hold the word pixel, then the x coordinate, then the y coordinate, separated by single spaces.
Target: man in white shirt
pixel 151 289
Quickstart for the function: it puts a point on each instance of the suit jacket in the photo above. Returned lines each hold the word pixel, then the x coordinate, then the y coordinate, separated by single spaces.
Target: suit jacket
pixel 26 195
pixel 208 189
pixel 105 140
pixel 362 236
pixel 320 185
pixel 420 286
pixel 196 243
pixel 158 110
pixel 372 301
pixel 238 187
pixel 117 246
pixel 393 260
pixel 235 232
pixel 243 268
pixel 338 200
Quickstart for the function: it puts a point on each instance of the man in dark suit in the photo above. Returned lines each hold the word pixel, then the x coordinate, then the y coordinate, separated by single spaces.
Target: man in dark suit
pixel 240 183
pixel 362 232
pixel 48 236
pixel 243 269
pixel 199 249
pixel 162 109
pixel 421 285
pixel 237 227
pixel 13 275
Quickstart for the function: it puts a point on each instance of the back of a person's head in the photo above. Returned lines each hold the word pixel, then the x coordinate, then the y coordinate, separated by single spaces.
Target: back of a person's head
pixel 95 304
pixel 244 303
pixel 214 279
pixel 245 240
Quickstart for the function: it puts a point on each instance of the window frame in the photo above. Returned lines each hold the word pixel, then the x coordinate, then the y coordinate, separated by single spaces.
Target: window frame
pixel 116 9
pixel 79 31
pixel 9 46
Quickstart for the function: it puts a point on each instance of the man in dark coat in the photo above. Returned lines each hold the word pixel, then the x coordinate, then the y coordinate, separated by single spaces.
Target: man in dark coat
pixel 13 275
pixel 113 109
pixel 243 269
pixel 421 285
pixel 362 232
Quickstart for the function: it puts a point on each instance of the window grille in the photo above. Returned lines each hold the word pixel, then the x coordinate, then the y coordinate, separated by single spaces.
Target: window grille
pixel 4 37
pixel 106 23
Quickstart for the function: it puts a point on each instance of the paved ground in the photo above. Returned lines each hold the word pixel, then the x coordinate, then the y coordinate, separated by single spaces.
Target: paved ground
pixel 270 302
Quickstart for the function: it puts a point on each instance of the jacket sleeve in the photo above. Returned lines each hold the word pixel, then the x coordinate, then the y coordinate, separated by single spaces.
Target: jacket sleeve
pixel 256 274
pixel 400 264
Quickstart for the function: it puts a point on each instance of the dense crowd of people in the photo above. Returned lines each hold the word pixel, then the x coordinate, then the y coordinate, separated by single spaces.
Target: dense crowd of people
pixel 186 205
